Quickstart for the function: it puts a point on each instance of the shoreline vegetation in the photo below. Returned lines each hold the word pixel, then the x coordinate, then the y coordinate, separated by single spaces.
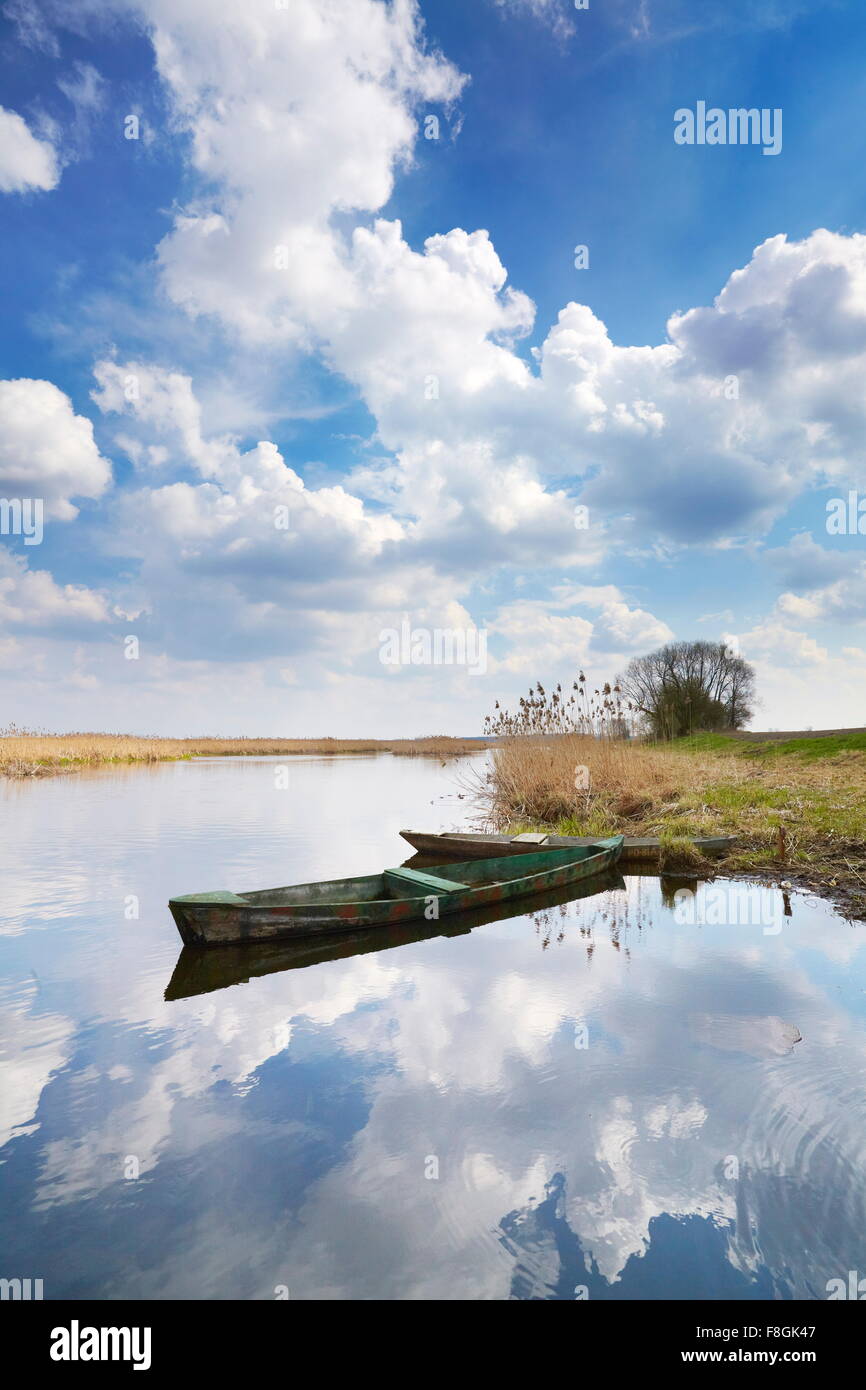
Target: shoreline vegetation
pixel 25 754
pixel 797 805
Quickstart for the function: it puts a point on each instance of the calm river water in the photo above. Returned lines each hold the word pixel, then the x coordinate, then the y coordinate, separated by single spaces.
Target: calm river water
pixel 597 1099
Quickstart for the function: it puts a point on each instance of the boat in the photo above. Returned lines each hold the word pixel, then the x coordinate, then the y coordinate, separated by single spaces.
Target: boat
pixel 452 844
pixel 201 972
pixel 395 895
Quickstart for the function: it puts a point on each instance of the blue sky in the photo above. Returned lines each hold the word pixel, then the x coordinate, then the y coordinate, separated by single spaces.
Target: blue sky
pixel 282 295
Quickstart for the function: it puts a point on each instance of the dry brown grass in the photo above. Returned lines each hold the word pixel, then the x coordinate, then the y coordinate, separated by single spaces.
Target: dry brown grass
pixel 701 787
pixel 534 779
pixel 33 755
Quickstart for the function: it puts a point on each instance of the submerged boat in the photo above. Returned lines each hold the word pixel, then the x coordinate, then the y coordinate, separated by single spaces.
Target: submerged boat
pixel 453 844
pixel 396 895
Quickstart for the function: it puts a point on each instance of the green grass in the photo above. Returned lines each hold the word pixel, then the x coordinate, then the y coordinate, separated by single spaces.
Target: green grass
pixel 812 789
pixel 677 851
pixel 704 743
pixel 599 822
pixel 736 797
pixel 813 749
pixel 809 749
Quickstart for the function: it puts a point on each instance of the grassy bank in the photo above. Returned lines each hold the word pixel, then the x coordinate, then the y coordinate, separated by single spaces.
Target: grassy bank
pixel 35 755
pixel 797 806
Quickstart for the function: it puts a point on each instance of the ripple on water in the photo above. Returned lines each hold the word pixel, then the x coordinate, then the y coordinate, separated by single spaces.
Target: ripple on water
pixel 286 1119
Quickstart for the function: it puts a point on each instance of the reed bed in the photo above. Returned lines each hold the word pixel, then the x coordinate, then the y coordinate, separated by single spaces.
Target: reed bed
pixel 798 812
pixel 601 784
pixel 28 754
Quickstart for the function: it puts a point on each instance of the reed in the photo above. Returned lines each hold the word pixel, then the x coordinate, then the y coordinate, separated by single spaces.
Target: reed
pixel 602 711
pixel 600 783
pixel 813 791
pixel 27 753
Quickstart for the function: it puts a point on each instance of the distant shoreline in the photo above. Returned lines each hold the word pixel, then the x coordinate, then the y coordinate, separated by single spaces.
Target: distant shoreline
pixel 38 755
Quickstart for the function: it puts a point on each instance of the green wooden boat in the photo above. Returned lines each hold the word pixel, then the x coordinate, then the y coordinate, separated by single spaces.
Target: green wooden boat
pixel 200 972
pixel 397 895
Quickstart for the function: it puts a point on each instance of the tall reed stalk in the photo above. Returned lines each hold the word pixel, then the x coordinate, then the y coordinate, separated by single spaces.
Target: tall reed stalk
pixel 601 711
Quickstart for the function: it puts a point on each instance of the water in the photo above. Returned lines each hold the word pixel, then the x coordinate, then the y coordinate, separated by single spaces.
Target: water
pixel 595 1099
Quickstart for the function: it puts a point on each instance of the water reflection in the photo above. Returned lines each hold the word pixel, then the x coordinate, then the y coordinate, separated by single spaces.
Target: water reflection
pixel 687 1257
pixel 199 970
pixel 587 1094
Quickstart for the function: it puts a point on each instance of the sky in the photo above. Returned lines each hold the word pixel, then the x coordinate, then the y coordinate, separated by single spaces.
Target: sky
pixel 340 329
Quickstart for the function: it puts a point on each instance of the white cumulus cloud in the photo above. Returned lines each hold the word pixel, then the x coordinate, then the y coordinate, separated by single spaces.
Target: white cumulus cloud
pixel 46 450
pixel 26 162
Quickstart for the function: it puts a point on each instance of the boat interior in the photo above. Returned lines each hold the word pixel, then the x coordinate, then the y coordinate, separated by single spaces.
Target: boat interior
pixel 404 882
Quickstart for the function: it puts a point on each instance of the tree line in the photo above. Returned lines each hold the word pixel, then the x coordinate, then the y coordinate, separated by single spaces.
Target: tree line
pixel 682 688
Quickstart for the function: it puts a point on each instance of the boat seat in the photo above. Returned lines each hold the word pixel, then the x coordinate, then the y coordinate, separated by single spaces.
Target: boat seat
pixel 424 880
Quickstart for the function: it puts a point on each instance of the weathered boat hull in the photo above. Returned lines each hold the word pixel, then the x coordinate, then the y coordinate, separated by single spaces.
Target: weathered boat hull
pixel 201 972
pixel 397 895
pixel 635 849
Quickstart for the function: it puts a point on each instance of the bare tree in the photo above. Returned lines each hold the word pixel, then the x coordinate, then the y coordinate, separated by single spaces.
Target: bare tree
pixel 687 686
